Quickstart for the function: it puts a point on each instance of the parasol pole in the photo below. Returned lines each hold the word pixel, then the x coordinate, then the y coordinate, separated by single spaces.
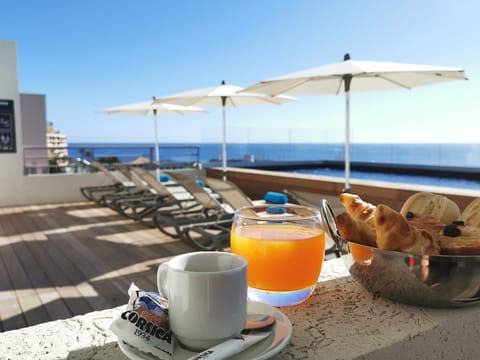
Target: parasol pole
pixel 347 79
pixel 224 137
pixel 157 152
pixel 347 142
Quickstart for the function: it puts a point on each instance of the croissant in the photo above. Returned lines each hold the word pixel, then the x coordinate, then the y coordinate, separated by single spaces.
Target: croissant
pixel 356 231
pixel 358 209
pixel 395 233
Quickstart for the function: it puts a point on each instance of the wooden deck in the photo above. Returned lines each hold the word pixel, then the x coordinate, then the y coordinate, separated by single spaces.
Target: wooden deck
pixel 61 260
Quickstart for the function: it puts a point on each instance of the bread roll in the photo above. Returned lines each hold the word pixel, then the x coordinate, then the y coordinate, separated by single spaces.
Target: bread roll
pixel 471 215
pixel 395 233
pixel 358 209
pixel 356 231
pixel 439 206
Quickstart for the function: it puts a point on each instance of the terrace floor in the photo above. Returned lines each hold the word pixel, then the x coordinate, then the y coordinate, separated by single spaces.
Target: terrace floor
pixel 61 260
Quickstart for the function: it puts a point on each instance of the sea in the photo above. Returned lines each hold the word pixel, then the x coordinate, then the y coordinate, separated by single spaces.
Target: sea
pixel 445 155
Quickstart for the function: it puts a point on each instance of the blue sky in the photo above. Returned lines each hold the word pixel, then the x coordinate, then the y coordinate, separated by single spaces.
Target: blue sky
pixel 92 54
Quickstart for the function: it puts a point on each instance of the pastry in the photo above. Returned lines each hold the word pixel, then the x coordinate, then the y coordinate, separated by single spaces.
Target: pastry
pixel 459 238
pixel 356 231
pixel 358 209
pixel 395 233
pixel 427 222
pixel 471 215
pixel 439 206
pixel 460 245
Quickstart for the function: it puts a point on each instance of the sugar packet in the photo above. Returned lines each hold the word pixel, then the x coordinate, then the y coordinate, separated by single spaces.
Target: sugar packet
pixel 144 324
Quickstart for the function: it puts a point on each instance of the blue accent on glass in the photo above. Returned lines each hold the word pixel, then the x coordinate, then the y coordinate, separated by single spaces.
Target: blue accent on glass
pixel 276 210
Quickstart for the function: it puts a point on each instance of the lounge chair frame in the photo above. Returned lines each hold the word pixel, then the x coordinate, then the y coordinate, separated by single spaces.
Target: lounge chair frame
pixel 211 210
pixel 97 193
pixel 214 233
pixel 157 197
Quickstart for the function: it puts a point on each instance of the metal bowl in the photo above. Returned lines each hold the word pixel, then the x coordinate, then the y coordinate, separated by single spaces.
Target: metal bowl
pixel 440 281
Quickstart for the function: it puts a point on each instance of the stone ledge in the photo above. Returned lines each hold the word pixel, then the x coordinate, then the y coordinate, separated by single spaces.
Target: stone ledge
pixel 340 321
pixel 81 337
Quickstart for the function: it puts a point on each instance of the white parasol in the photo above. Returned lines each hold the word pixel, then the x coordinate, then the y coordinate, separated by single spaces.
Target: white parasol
pixel 223 95
pixel 151 108
pixel 356 76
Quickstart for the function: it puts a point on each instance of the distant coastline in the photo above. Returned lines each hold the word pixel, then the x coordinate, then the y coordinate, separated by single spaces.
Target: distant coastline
pixel 461 155
pixel 446 165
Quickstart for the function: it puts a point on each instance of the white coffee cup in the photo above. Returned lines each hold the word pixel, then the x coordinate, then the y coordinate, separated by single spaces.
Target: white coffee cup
pixel 207 295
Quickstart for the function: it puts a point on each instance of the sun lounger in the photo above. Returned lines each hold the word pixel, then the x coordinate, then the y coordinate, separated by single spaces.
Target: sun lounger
pixel 208 235
pixel 157 196
pixel 95 193
pixel 229 193
pixel 139 189
pixel 210 228
pixel 215 235
pixel 212 210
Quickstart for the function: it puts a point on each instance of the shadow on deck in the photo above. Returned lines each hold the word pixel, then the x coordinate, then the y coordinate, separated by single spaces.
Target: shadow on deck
pixel 61 260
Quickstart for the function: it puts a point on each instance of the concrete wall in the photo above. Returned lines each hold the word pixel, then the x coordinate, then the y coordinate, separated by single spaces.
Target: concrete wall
pixel 56 188
pixel 34 119
pixel 11 164
pixel 34 129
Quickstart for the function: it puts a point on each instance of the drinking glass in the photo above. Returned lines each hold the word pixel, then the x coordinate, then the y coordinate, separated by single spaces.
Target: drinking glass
pixel 285 248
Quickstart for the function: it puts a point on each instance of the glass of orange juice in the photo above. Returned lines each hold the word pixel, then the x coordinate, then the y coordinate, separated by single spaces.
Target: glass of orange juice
pixel 284 246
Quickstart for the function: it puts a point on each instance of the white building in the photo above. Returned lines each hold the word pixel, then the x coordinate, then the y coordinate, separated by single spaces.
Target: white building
pixel 58 144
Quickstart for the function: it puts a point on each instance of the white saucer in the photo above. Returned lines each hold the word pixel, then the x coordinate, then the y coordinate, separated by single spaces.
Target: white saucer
pixel 265 349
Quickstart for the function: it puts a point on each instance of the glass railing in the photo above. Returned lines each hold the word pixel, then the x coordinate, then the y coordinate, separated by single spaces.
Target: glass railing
pixel 40 160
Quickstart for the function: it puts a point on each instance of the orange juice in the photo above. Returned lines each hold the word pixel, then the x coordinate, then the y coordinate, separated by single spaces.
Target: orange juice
pixel 280 257
pixel 361 253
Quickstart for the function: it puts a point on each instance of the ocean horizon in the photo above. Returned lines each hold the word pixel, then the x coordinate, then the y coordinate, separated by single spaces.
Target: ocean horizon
pixel 460 155
pixel 463 156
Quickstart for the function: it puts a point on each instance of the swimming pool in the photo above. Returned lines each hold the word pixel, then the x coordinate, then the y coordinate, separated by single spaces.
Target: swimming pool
pixel 393 177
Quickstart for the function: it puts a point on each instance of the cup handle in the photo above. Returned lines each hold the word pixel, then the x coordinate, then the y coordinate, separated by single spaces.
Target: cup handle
pixel 162 279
